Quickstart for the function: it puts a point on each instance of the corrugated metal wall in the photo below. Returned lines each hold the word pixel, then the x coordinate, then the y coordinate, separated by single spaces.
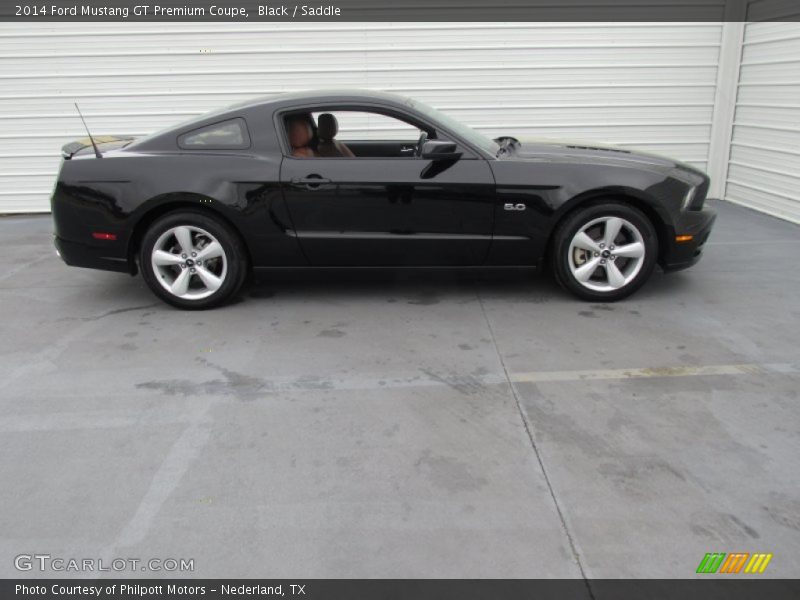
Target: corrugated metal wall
pixel 639 85
pixel 764 165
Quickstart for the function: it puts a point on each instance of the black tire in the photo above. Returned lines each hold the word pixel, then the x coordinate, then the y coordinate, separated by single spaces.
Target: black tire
pixel 564 259
pixel 234 260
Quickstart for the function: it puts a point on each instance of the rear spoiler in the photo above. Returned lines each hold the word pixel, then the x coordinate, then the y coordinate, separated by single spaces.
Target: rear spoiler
pixel 73 148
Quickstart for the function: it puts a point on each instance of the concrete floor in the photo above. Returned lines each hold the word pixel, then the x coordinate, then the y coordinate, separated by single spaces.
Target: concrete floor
pixel 413 424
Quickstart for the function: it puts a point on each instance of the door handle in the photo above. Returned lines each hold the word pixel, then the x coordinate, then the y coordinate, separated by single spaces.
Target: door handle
pixel 407 149
pixel 310 182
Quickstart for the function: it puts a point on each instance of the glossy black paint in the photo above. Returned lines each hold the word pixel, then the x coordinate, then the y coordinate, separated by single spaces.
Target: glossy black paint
pixel 366 211
pixel 380 211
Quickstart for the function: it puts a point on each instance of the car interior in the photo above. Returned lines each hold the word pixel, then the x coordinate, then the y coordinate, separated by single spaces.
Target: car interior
pixel 311 137
pixel 301 136
pixel 327 145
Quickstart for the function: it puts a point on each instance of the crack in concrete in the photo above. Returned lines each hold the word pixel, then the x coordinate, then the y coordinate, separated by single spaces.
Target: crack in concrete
pixel 529 431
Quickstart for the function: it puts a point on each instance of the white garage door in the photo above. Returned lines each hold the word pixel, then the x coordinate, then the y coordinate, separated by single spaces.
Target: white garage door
pixel 764 166
pixel 648 86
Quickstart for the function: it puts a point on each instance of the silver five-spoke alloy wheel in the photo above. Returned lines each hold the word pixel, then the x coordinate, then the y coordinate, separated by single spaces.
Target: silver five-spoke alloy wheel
pixel 606 254
pixel 189 262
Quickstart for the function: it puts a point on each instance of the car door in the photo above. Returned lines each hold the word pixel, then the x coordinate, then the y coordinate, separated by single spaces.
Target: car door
pixel 390 210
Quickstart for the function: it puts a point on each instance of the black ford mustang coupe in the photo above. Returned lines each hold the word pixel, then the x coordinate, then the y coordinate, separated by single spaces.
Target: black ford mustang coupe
pixel 271 183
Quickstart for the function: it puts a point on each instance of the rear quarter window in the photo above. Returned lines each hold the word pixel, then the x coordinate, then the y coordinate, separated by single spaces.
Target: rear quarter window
pixel 225 135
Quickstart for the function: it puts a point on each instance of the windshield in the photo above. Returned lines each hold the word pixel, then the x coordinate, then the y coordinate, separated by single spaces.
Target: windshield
pixel 461 130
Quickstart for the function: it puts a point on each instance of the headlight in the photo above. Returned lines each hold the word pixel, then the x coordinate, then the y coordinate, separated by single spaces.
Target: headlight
pixel 697 187
pixel 687 200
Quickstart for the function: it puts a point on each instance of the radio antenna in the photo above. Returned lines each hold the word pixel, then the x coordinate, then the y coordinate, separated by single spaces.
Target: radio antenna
pixel 91 139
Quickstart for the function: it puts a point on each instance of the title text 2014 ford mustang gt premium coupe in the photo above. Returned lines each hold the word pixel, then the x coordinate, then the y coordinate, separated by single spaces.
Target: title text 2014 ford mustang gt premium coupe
pixel 270 183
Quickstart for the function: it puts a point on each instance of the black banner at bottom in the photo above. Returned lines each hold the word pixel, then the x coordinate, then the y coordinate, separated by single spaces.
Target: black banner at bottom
pixel 403 589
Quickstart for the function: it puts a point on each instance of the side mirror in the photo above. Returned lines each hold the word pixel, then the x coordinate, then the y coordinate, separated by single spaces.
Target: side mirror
pixel 440 150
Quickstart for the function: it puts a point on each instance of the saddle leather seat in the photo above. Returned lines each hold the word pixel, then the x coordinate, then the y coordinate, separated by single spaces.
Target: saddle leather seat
pixel 300 134
pixel 327 128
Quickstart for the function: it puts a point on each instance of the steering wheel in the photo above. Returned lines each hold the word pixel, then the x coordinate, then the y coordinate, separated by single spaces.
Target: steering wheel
pixel 423 137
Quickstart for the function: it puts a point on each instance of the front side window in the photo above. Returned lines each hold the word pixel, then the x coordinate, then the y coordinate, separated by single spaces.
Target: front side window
pixel 226 135
pixel 349 133
pixel 355 125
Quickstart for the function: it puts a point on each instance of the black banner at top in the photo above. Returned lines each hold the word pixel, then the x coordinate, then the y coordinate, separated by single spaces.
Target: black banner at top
pixel 299 11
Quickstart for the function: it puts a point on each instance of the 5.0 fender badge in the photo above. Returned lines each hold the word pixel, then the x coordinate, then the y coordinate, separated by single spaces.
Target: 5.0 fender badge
pixel 510 206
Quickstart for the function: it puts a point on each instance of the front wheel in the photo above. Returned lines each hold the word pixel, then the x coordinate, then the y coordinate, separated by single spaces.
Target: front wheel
pixel 604 252
pixel 191 260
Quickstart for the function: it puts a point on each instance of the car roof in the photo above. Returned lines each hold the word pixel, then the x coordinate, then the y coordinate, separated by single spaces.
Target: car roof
pixel 322 95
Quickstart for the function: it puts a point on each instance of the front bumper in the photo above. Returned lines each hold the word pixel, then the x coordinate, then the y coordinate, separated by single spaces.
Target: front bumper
pixel 91 257
pixel 681 255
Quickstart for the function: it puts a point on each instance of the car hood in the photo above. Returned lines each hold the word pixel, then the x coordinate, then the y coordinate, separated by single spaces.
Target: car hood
pixel 537 150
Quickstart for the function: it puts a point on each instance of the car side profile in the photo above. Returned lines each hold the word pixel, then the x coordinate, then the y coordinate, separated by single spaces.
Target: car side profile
pixel 273 183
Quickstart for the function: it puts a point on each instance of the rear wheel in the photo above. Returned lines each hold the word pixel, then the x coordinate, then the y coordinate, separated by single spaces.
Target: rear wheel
pixel 191 260
pixel 604 252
